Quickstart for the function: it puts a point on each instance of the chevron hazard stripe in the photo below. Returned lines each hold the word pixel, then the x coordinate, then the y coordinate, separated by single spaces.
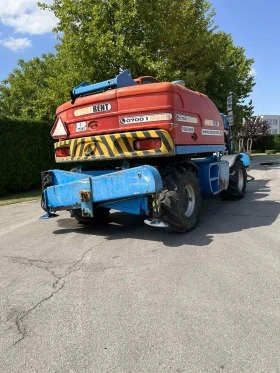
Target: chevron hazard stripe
pixel 113 146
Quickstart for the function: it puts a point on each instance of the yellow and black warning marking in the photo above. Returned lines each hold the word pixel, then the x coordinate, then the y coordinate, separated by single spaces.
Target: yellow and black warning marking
pixel 112 146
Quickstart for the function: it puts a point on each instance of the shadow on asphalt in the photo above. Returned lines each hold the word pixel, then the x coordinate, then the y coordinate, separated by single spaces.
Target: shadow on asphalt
pixel 218 217
pixel 269 165
pixel 265 163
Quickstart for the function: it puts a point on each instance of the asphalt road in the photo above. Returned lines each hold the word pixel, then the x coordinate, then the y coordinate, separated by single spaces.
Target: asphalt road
pixel 125 297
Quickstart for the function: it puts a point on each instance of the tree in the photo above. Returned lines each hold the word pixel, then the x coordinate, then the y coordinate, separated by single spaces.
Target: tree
pixel 28 92
pixel 102 37
pixel 231 72
pixel 169 39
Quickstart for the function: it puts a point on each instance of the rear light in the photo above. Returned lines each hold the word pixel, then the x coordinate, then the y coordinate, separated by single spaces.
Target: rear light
pixel 62 152
pixel 147 144
pixel 59 130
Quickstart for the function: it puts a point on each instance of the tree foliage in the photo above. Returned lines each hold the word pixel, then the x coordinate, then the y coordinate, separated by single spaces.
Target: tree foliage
pixel 169 39
pixel 29 91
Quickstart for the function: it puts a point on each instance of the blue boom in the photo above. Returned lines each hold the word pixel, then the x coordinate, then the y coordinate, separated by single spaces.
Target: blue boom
pixel 124 79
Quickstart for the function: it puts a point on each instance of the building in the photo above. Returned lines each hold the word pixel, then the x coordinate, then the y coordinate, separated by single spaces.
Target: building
pixel 274 122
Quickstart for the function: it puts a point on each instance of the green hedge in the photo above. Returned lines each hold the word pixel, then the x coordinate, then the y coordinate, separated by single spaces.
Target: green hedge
pixel 269 142
pixel 26 149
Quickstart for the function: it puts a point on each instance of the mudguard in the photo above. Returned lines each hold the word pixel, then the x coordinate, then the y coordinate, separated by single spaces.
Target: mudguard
pixel 245 159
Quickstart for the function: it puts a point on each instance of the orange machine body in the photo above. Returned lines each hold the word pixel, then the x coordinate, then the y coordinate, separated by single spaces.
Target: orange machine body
pixel 190 117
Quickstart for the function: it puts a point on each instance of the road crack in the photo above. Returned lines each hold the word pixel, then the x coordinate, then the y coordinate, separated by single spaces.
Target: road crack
pixel 57 285
pixel 21 329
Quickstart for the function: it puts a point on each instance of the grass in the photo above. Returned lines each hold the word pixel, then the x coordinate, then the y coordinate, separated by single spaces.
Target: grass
pixel 20 197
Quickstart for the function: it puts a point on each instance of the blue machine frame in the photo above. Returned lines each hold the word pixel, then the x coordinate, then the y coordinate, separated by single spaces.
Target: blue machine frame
pixel 129 190
pixel 213 175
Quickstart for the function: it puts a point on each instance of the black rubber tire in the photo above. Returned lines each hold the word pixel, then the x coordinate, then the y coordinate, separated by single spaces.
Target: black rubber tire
pixel 100 214
pixel 235 190
pixel 178 185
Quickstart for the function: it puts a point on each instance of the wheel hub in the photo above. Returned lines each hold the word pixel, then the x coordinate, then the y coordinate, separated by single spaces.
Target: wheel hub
pixel 240 180
pixel 191 201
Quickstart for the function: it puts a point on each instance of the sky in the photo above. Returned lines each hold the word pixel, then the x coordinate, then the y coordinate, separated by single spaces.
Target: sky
pixel 25 32
pixel 255 25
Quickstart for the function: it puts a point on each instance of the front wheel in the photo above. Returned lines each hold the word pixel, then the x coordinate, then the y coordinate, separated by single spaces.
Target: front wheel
pixel 237 182
pixel 180 199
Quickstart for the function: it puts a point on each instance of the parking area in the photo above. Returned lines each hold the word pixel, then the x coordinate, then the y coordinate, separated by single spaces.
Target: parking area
pixel 123 297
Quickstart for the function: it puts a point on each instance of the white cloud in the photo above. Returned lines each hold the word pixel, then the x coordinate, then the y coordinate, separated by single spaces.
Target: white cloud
pixel 16 44
pixel 24 16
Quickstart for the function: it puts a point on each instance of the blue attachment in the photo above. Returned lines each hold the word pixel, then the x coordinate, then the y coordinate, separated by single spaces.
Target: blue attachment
pixel 70 190
pixel 124 79
pixel 231 159
pixel 213 176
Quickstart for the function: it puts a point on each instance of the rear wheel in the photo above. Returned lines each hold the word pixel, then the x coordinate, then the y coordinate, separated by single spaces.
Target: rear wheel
pixel 180 199
pixel 237 182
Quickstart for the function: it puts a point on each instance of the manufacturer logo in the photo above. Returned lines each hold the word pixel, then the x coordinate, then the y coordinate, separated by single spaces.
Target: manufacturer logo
pixel 92 109
pixel 187 129
pixel 211 132
pixel 146 118
pixel 186 118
